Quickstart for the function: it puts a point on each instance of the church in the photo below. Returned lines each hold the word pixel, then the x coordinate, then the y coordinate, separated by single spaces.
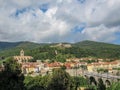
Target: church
pixel 22 58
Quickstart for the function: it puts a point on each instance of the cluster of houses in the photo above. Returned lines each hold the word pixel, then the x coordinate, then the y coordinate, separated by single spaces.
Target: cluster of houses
pixel 42 68
pixel 99 64
pixel 109 66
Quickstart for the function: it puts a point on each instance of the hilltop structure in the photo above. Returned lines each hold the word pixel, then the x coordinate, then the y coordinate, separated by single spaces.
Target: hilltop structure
pixel 22 58
pixel 62 45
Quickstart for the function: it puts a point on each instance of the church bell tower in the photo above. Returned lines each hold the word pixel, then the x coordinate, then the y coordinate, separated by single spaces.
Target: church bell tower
pixel 22 52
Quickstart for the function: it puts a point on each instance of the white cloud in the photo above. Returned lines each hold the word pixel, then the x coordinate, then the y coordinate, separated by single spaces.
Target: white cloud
pixel 32 24
pixel 100 33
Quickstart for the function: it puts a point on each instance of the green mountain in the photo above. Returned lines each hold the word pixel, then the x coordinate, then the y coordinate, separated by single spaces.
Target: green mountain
pixel 45 51
pixel 22 45
pixel 13 48
pixel 98 49
pixel 93 44
pixel 7 45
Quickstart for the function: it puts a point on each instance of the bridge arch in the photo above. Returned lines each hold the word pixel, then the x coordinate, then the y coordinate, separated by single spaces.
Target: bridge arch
pixel 107 83
pixel 93 81
pixel 101 85
pixel 118 80
pixel 85 76
pixel 100 79
pixel 107 80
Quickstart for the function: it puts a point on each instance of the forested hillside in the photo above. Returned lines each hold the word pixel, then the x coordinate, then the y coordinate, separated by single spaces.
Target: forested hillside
pixel 78 50
pixel 7 45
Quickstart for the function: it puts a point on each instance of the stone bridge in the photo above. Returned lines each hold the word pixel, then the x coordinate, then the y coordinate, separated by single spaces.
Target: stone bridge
pixel 94 78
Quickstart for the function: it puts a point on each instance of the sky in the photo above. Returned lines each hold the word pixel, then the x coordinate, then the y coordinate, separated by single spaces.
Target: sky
pixel 48 21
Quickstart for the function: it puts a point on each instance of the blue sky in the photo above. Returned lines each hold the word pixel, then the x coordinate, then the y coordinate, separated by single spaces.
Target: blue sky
pixel 60 20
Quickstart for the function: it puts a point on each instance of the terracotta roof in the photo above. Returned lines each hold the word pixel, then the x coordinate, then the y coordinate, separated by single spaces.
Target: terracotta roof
pixel 104 63
pixel 30 65
pixel 54 64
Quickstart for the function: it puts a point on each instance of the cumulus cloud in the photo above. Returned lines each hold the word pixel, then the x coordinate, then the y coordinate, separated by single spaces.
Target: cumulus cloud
pixel 59 20
pixel 101 33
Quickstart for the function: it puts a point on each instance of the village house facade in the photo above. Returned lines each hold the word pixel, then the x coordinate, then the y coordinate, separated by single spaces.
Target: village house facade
pixel 103 65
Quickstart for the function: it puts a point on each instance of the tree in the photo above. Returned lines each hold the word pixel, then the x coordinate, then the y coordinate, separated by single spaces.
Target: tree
pixel 61 80
pixel 114 86
pixel 11 77
pixel 37 83
pixel 45 81
pixel 33 83
pixel 101 85
pixel 60 58
pixel 79 81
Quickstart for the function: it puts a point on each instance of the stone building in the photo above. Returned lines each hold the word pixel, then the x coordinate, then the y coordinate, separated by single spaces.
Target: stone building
pixel 22 58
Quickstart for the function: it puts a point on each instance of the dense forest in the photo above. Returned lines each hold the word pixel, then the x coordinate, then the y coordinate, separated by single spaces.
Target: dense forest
pixel 60 53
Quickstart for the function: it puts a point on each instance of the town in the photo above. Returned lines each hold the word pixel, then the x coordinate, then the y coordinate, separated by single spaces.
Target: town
pixel 74 66
pixel 39 67
pixel 90 68
pixel 59 45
